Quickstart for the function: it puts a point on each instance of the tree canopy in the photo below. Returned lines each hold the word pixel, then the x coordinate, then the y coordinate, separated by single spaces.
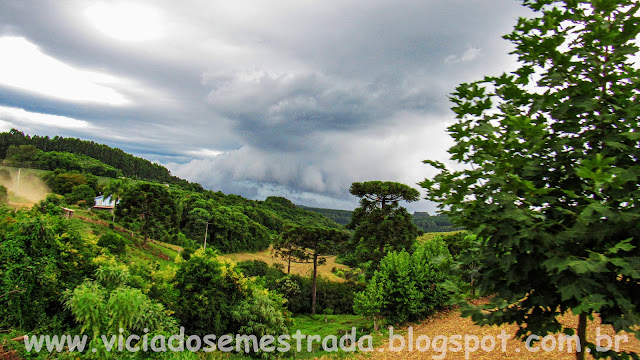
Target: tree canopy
pixel 551 171
pixel 149 207
pixel 381 193
pixel 380 224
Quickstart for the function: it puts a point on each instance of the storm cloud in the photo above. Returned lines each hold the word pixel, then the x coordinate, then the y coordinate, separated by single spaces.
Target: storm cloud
pixel 281 97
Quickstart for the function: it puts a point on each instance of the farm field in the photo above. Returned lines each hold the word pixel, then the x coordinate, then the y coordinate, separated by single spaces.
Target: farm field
pixel 299 269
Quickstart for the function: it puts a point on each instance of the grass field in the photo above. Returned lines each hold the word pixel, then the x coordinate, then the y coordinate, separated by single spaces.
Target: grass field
pixel 300 269
pixel 430 236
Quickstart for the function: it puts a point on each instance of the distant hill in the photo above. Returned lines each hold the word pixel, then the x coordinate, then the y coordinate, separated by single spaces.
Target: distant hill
pixel 342 217
pixel 237 223
pixel 424 221
pixel 129 165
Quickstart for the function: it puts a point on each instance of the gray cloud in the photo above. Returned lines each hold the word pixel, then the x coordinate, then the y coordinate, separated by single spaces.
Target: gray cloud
pixel 299 98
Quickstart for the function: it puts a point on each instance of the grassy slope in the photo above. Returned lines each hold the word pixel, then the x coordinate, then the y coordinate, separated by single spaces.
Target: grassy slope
pixel 430 236
pixel 300 269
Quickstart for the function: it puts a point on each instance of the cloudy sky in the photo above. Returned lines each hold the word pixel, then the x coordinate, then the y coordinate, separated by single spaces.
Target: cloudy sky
pixel 297 98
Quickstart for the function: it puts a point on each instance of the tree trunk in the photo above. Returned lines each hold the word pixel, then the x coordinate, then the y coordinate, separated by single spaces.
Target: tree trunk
pixel 313 284
pixel 289 265
pixel 582 335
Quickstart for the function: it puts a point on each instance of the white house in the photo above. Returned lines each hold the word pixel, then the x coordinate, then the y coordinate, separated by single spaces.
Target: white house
pixel 104 203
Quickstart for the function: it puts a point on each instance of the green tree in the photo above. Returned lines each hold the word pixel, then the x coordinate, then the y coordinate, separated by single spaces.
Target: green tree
pixel 312 245
pixel 150 206
pixel 196 227
pixel 81 194
pixel 380 224
pixel 22 154
pixel 288 249
pixel 208 291
pixel 115 189
pixel 407 287
pixel 62 182
pixel 114 242
pixel 551 171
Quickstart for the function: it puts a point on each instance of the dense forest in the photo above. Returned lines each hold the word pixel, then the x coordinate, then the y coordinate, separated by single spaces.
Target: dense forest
pixel 129 165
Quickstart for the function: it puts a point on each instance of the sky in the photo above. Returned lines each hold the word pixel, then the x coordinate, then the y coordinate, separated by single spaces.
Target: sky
pixel 293 98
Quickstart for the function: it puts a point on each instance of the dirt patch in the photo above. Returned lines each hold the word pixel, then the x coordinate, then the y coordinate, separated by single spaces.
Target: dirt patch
pixel 25 187
pixel 6 354
pixel 451 323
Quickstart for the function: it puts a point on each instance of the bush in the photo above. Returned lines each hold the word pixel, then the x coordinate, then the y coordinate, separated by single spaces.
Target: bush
pixel 84 194
pixel 330 295
pixel 208 291
pixel 40 256
pixel 114 242
pixel 407 287
pixel 215 298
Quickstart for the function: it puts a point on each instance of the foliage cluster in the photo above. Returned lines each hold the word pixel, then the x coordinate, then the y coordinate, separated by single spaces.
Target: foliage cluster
pixel 41 255
pixel 32 157
pixel 408 287
pixel 332 297
pixel 131 166
pixel 216 298
pixel 115 243
pixel 549 157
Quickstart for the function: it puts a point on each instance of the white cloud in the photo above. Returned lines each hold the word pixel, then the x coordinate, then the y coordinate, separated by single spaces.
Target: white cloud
pixel 204 153
pixel 21 116
pixel 126 21
pixel 23 65
pixel 469 54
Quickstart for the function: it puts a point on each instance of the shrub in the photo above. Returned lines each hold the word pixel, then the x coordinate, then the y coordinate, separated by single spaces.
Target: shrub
pixel 114 242
pixel 407 287
pixel 208 290
pixel 330 295
pixel 82 194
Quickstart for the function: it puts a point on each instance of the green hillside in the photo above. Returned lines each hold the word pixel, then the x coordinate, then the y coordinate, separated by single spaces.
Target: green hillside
pixel 169 253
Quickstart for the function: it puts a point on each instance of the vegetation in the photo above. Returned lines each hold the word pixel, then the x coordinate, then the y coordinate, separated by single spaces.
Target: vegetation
pixel 342 217
pixel 380 224
pixel 150 208
pixel 332 297
pixel 547 194
pixel 114 190
pixel 407 287
pixel 4 194
pixel 551 175
pixel 130 165
pixel 41 255
pixel 30 156
pixel 311 244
